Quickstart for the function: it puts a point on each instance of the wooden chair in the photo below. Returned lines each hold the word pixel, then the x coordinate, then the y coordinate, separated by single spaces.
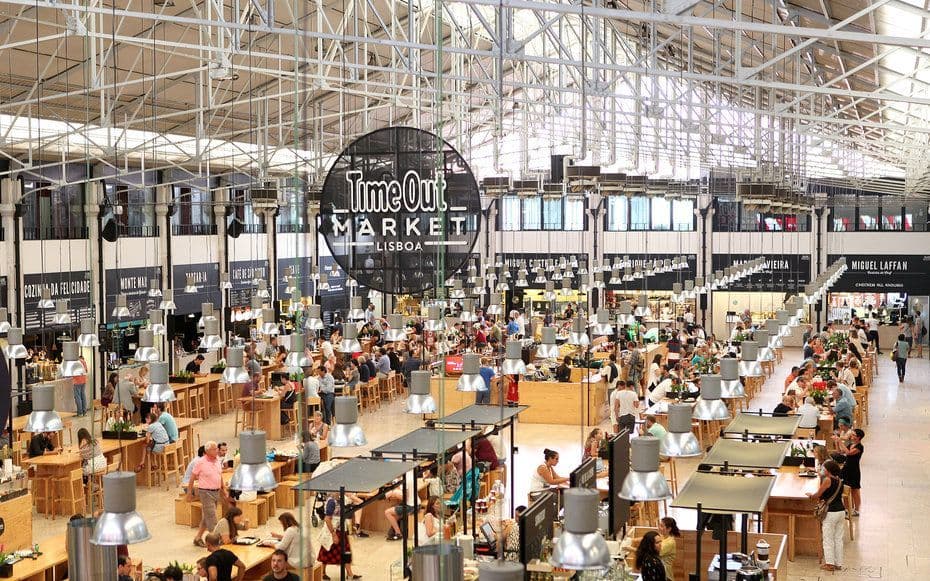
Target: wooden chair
pixel 69 494
pixel 243 415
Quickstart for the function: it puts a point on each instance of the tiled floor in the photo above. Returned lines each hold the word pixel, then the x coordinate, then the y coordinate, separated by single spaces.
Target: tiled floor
pixel 896 494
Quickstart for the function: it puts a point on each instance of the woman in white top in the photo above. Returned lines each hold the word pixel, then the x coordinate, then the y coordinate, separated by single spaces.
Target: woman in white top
pixel 545 475
pixel 654 369
pixel 299 552
pixel 428 531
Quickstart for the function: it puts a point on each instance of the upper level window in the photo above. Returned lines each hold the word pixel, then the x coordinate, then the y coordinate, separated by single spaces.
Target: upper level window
pixel 292 216
pixel 661 214
pixel 868 217
pixel 552 213
pixel 532 212
pixel 574 213
pixel 134 209
pixel 510 213
pixel 892 218
pixel 639 213
pixel 683 215
pixel 53 213
pixel 617 213
pixel 248 220
pixel 915 217
pixel 193 213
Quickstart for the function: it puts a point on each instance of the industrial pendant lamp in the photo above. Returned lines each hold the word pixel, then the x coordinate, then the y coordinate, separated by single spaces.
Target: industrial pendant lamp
pixel 479 289
pixel 457 292
pixel 467 315
pixel 709 406
pixel 206 312
pixel 699 285
pixel 644 481
pixel 255 307
pixel 494 304
pixel 471 379
pixel 749 365
pixel 540 276
pixel 556 275
pixel 70 363
pixel 522 281
pixel 253 473
pixel 291 285
pixel 88 336
pixel 121 311
pixel 120 523
pixel 154 289
pixel 773 329
pixel 627 274
pixel 225 283
pixel 62 316
pixel 602 324
pixel 420 401
pixel 434 320
pixel 567 287
pixel 689 293
pixel 642 306
pixel 14 344
pixel 784 329
pixel 677 293
pixel 513 361
pixel 157 322
pixel 356 309
pixel 498 570
pixel 190 285
pixel 43 417
pixel 579 334
pixel 323 284
pixel 269 326
pixel 679 441
pixel 583 286
pixel 350 342
pixel 235 371
pixel 598 281
pixel 4 320
pixel 296 358
pixel 146 351
pixel 625 314
pixel 761 337
pixel 549 293
pixel 347 433
pixel 314 318
pixel 46 302
pixel 502 286
pixel 167 301
pixel 615 278
pixel 158 389
pixel 581 547
pixel 730 385
pixel 548 349
pixel 396 329
pixel 211 336
pixel 262 290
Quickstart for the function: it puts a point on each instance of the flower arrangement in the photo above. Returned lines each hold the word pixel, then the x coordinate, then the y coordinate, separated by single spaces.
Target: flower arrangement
pixel 819 396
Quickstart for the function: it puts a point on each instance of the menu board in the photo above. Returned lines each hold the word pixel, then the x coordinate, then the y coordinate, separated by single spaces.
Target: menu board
pixel 662 281
pixel 905 273
pixel 780 273
pixel 134 283
pixel 302 268
pixel 242 274
pixel 73 286
pixel 206 277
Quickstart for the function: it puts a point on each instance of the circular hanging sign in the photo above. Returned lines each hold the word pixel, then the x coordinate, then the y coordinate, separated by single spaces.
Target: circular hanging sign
pixel 387 213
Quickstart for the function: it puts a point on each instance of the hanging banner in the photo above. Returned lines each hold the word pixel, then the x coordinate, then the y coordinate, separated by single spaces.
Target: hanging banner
pixel 302 267
pixel 662 281
pixel 206 277
pixel 242 276
pixel 786 273
pixel 390 219
pixel 878 273
pixel 73 286
pixel 134 283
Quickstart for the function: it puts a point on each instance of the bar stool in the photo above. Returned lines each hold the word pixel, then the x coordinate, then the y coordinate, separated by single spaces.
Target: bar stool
pixel 290 428
pixel 181 403
pixel 223 396
pixel 243 415
pixel 69 494
pixel 198 402
pixel 43 493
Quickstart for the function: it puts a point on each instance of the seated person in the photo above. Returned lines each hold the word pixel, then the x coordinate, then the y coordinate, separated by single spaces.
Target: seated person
pixel 563 372
pixel 396 516
pixel 785 407
pixel 309 452
pixel 156 438
pixel 279 570
pixel 810 414
pixel 653 428
pixel 194 366
pixel 41 445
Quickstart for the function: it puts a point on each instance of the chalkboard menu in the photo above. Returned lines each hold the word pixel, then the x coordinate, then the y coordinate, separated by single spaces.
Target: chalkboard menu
pixel 134 283
pixel 242 273
pixel 206 277
pixel 73 286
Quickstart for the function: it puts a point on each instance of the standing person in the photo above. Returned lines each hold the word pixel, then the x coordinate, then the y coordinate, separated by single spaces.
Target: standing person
pixel 852 472
pixel 327 394
pixel 919 331
pixel 832 527
pixel 668 530
pixel 624 408
pixel 637 364
pixel 648 560
pixel 220 562
pixel 210 488
pixel 872 323
pixel 487 374
pixel 79 384
pixel 340 548
pixel 902 350
pixel 655 372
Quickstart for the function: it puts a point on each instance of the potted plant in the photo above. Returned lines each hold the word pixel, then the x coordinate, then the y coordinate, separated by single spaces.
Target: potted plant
pixel 187 569
pixel 121 430
pixel 797 456
pixel 183 376
pixel 6 567
pixel 219 367
pixel 819 396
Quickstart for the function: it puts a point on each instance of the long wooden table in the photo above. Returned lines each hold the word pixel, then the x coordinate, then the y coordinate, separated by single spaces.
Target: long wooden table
pixel 790 512
pixel 51 565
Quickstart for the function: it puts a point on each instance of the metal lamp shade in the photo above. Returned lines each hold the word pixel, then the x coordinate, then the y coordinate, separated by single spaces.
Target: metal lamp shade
pixel 548 348
pixel 549 293
pixel 71 365
pixel 579 334
pixel 580 547
pixel 468 311
pixel 645 482
pixel 88 336
pixel 167 301
pixel 253 473
pixel 699 286
pixel 45 301
pixel 347 433
pixel 709 406
pixel 154 288
pixel 291 285
pixel 43 417
pixel 598 281
pixel 262 290
pixel 15 348
pixel 500 571
pixel 356 310
pixel 602 327
pixel 642 306
pixel 749 365
pixel 494 304
pixel 269 326
pixel 146 350
pixel 235 372
pixel 158 389
pixel 457 291
pixel 296 358
pixel 157 322
pixel 583 286
pixel 120 523
pixel 679 441
pixel 540 276
pixel 521 281
pixel 350 342
pixel 513 362
pixel 314 318
pixel 206 312
pixel 471 379
pixel 625 316
pixel 761 337
pixel 479 290
pixel 502 286
pixel 225 283
pixel 395 330
pixel 4 320
pixel 774 331
pixel 62 316
pixel 730 385
pixel 784 329
pixel 211 335
pixel 190 285
pixel 121 311
pixel 434 321
pixel 420 401
pixel 323 283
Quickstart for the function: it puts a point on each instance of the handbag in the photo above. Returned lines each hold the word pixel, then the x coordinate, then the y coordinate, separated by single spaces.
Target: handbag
pixel 894 354
pixel 325 538
pixel 822 507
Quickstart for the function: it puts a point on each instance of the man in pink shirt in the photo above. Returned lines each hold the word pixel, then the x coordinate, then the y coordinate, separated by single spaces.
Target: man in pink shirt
pixel 208 476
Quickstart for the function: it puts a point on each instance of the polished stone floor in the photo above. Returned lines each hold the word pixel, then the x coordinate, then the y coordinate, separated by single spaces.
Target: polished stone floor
pixel 888 545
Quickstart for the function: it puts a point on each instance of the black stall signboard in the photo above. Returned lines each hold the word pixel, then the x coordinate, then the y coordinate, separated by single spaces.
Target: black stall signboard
pixel 780 273
pixel 336 299
pixel 134 283
pixel 908 273
pixel 242 274
pixel 302 268
pixel 206 277
pixel 662 281
pixel 513 262
pixel 74 286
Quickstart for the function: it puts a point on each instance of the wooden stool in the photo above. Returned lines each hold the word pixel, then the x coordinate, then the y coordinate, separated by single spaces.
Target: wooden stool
pixel 223 398
pixel 243 415
pixel 198 402
pixel 43 493
pixel 386 389
pixel 69 496
pixel 95 490
pixel 181 404
pixel 291 426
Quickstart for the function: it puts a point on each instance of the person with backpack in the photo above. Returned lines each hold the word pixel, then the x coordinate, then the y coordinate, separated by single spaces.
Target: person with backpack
pixel 611 372
pixel 637 366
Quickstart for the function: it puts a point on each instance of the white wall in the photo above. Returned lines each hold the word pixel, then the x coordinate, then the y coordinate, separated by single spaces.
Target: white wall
pixel 194 249
pixel 60 255
pixel 876 243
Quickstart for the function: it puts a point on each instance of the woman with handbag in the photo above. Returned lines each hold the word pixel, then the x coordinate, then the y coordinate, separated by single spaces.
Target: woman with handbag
pixel 334 546
pixel 899 355
pixel 832 515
